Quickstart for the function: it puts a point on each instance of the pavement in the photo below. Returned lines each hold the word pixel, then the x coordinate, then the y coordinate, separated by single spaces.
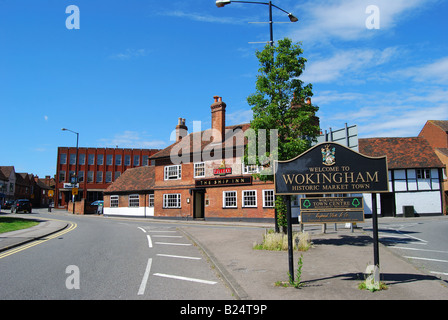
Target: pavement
pixel 332 269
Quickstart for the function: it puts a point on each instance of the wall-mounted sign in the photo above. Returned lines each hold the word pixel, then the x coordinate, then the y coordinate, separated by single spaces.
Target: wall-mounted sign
pixel 234 181
pixel 222 171
pixel 331 168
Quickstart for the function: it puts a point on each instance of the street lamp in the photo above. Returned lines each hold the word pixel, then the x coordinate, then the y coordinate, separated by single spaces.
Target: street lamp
pixel 76 164
pixel 292 18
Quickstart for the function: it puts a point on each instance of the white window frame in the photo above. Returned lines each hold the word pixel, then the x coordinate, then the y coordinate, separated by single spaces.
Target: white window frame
pixel 114 201
pixel 228 195
pixel 134 200
pixel 247 198
pixel 172 201
pixel 267 200
pixel 251 168
pixel 172 172
pixel 151 200
pixel 197 167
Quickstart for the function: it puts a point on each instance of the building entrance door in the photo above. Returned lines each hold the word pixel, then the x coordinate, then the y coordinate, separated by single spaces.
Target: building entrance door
pixel 387 204
pixel 198 204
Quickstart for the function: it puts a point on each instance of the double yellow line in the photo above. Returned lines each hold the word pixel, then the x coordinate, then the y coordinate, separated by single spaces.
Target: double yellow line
pixel 72 226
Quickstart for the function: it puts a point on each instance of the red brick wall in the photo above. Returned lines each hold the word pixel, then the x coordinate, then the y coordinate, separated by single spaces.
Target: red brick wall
pixel 436 137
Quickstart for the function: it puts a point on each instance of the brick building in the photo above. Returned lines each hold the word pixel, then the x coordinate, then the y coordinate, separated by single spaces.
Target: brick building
pixel 97 169
pixel 200 176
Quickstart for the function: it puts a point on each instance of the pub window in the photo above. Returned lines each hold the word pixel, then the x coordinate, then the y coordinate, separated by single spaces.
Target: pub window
pixel 199 170
pixel 127 160
pixel 134 200
pixel 173 172
pixel 91 159
pixel 89 176
pixel 268 198
pixel 82 159
pixel 108 176
pixel 109 159
pixel 118 160
pixel 251 168
pixel 229 199
pixel 171 200
pixel 63 159
pixel 80 176
pixel 114 201
pixel 73 158
pixel 61 176
pixel 249 198
pixel 151 200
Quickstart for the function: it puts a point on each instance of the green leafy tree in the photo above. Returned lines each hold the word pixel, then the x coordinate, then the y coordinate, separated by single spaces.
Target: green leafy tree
pixel 280 103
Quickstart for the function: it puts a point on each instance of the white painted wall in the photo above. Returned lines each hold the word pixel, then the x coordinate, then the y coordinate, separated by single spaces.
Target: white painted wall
pixel 131 212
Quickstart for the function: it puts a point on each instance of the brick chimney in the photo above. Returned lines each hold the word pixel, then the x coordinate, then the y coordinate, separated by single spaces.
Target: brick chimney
pixel 181 130
pixel 219 118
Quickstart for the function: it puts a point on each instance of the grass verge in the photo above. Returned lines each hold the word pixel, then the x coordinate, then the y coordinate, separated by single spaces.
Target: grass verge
pixel 8 224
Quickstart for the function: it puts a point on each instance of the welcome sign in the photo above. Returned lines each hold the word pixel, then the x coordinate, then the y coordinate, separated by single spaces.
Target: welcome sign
pixel 331 168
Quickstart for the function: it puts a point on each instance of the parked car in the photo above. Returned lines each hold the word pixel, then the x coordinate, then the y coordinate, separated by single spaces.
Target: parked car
pixel 7 204
pixel 21 205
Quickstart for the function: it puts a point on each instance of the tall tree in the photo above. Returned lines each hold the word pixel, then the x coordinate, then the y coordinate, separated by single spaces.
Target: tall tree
pixel 281 103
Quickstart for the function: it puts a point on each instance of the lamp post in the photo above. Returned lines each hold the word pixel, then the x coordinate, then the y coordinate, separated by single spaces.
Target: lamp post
pixel 76 164
pixel 292 18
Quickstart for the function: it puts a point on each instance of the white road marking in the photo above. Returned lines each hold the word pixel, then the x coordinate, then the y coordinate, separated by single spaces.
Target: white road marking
pixel 142 288
pixel 443 273
pixel 184 278
pixel 180 257
pixel 174 244
pixel 167 236
pixel 142 229
pixel 149 241
pixel 415 249
pixel 426 259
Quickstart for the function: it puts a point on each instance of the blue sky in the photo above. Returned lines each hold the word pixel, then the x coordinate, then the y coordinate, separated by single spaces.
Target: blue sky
pixel 134 67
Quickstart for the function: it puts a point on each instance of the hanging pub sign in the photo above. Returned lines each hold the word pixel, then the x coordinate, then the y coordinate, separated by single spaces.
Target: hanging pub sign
pixel 329 168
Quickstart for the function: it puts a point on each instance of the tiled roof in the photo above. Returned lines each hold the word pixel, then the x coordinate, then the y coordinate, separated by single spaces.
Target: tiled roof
pixel 187 142
pixel 133 180
pixel 401 152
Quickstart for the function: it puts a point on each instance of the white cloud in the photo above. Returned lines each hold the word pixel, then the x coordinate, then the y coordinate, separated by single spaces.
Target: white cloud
pixel 346 19
pixel 346 65
pixel 391 114
pixel 435 72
